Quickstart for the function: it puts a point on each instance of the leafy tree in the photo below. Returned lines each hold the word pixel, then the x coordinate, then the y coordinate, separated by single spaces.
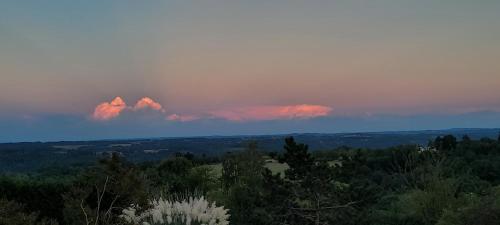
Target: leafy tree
pixel 102 192
pixel 173 172
pixel 475 210
pixel 446 143
pixel 420 206
pixel 243 186
pixel 12 213
pixel 314 195
pixel 39 195
pixel 202 179
pixel 242 168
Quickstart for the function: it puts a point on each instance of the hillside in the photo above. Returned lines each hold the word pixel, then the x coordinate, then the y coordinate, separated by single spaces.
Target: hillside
pixel 31 156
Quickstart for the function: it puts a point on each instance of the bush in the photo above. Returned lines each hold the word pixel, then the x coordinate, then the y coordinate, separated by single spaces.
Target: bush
pixel 193 211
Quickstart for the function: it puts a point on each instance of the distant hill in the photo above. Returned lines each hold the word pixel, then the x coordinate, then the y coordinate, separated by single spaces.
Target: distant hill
pixel 30 156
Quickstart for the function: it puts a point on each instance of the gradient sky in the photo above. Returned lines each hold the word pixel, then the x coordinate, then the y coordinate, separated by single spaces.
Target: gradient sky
pixel 241 67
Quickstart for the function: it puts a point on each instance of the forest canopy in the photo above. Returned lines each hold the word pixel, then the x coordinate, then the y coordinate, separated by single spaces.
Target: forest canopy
pixel 451 181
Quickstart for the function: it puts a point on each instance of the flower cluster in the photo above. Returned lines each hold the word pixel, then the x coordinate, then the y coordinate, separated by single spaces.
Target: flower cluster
pixel 194 211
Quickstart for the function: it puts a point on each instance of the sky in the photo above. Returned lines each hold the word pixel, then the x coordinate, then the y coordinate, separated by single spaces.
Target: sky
pixel 78 70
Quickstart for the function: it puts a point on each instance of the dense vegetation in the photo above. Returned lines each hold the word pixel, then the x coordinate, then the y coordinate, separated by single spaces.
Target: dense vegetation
pixel 32 156
pixel 449 182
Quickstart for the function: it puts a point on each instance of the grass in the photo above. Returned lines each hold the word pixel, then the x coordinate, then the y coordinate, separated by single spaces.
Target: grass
pixel 274 166
pixel 216 169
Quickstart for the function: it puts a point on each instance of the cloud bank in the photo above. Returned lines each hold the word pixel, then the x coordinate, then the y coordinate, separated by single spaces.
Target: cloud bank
pixel 57 127
pixel 109 110
pixel 273 112
pixel 182 118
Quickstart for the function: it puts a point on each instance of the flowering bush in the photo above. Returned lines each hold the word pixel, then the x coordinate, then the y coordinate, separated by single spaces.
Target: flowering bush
pixel 194 211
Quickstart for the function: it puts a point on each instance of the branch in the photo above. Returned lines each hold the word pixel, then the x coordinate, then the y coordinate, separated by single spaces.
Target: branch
pixel 108 213
pixel 84 213
pixel 99 200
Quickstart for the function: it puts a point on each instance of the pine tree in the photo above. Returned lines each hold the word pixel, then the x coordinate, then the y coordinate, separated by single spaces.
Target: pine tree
pixel 298 159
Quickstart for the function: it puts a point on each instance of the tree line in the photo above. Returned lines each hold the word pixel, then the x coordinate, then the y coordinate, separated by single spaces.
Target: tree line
pixel 447 182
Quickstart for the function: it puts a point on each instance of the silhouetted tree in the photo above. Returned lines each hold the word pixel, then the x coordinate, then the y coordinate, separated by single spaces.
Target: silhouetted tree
pixel 446 143
pixel 242 181
pixel 102 192
pixel 314 195
pixel 298 159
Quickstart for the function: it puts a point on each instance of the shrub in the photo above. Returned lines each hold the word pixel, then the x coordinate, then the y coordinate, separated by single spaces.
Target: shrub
pixel 194 211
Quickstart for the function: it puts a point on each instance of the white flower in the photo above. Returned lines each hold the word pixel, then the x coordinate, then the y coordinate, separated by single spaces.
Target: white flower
pixel 193 211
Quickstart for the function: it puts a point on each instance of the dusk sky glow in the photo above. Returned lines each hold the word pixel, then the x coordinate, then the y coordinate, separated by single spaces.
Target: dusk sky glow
pixel 119 69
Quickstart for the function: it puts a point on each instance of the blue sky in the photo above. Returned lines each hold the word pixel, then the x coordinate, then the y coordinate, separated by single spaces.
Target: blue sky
pixel 245 67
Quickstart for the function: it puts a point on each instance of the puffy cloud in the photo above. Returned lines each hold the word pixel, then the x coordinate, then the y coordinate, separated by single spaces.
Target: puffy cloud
pixel 182 118
pixel 113 109
pixel 273 112
pixel 147 102
pixel 109 110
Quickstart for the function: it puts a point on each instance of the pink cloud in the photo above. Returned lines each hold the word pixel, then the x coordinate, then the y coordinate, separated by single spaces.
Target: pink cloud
pixel 147 102
pixel 273 112
pixel 109 110
pixel 113 109
pixel 182 118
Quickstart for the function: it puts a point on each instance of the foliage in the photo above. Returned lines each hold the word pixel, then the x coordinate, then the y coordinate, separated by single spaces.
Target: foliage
pixel 12 213
pixel 242 185
pixel 39 195
pixel 310 193
pixel 101 193
pixel 448 182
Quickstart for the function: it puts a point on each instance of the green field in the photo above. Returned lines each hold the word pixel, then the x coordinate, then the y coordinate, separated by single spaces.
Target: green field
pixel 273 165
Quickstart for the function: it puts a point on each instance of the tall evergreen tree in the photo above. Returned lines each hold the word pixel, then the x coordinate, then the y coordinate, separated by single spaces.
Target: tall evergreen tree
pixel 298 159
